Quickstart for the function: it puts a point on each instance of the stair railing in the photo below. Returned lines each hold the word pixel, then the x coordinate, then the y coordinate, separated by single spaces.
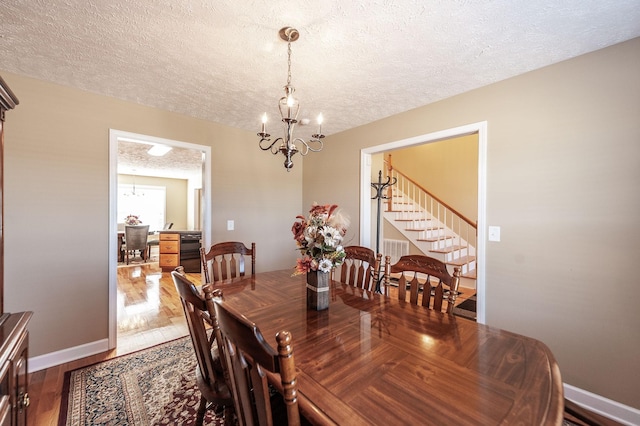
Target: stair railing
pixel 462 230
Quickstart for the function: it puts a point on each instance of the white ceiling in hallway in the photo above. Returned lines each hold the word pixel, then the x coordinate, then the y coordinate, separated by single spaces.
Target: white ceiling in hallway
pixel 355 61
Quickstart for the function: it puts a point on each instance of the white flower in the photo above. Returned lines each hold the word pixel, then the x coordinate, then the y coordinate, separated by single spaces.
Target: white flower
pixel 325 265
pixel 310 234
pixel 331 236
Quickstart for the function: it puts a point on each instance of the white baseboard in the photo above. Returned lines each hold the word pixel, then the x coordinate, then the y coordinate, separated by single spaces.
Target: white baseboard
pixel 52 359
pixel 606 407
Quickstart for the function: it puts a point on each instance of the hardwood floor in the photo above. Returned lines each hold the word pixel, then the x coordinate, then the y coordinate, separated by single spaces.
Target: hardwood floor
pixel 149 312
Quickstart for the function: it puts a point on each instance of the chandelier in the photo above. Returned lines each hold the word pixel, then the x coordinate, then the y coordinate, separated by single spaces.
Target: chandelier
pixel 289 108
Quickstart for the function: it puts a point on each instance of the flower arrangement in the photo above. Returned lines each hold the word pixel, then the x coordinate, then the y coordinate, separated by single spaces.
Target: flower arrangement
pixel 132 220
pixel 319 238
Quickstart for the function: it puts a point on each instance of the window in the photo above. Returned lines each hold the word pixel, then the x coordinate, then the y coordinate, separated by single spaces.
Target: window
pixel 145 201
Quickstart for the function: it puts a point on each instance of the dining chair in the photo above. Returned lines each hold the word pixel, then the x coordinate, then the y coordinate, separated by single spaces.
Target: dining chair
pixel 360 267
pixel 200 313
pixel 226 260
pixel 249 364
pixel 135 239
pixel 419 272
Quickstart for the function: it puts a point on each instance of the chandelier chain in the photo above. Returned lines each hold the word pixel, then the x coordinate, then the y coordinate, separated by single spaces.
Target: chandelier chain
pixel 289 63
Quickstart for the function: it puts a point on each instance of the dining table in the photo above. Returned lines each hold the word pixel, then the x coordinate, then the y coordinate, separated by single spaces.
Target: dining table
pixel 370 359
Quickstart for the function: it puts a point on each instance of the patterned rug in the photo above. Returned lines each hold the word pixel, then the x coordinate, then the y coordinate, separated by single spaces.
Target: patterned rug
pixel 154 386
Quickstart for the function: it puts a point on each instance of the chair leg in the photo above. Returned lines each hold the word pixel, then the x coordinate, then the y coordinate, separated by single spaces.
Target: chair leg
pixel 202 408
pixel 229 419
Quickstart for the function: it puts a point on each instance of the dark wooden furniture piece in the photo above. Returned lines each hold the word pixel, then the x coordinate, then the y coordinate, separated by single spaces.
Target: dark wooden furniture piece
pixel 180 248
pixel 135 239
pixel 360 268
pixel 363 355
pixel 410 266
pixel 14 337
pixel 248 360
pixel 209 375
pixel 226 260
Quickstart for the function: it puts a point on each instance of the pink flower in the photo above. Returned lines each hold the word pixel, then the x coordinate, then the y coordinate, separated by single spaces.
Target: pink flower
pixel 303 265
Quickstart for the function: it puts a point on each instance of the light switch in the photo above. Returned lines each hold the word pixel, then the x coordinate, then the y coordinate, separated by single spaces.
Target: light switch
pixel 230 225
pixel 494 233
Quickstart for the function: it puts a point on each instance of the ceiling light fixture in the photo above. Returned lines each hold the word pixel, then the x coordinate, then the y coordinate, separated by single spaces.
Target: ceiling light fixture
pixel 289 108
pixel 158 150
pixel 133 192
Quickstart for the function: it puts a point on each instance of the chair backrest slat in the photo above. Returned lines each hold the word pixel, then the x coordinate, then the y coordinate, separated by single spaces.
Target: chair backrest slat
pixel 419 273
pixel 360 267
pixel 226 260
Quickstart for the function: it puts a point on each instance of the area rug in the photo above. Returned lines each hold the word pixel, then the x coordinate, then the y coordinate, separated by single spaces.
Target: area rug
pixel 467 308
pixel 154 386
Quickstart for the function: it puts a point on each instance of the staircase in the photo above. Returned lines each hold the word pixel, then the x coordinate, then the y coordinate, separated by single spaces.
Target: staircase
pixel 431 225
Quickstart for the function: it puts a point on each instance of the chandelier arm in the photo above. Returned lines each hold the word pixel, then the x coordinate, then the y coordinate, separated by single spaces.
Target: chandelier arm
pixel 274 146
pixel 315 144
pixel 265 138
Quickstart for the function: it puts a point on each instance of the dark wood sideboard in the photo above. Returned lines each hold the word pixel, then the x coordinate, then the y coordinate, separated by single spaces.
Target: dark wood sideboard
pixel 14 337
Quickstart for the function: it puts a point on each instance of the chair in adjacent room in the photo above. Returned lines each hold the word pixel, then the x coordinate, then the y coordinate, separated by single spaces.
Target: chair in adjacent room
pixel 419 273
pixel 227 260
pixel 360 268
pixel 199 312
pixel 135 240
pixel 249 363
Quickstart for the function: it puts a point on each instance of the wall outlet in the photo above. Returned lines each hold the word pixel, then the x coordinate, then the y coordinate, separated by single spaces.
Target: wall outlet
pixel 494 233
pixel 230 225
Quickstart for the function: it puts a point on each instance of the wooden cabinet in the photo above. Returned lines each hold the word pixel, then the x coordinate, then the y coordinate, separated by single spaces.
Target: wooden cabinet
pixel 169 251
pixel 14 337
pixel 14 356
pixel 180 248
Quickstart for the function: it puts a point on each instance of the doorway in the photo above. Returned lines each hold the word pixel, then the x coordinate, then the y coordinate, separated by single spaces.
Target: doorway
pixel 365 190
pixel 203 204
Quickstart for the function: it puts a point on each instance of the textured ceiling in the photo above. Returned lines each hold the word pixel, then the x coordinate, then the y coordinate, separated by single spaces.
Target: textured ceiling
pixel 179 163
pixel 355 61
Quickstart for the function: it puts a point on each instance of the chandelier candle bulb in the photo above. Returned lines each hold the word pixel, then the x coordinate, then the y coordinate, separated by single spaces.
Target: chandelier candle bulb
pixel 264 123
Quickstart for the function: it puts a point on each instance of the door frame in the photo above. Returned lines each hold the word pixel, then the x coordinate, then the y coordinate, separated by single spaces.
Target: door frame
pixel 480 129
pixel 114 136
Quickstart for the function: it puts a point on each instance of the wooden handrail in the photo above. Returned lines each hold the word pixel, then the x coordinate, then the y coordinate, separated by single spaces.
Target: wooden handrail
pixel 460 215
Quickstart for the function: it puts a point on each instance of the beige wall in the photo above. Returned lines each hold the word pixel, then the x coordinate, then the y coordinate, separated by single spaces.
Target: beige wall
pixel 57 202
pixel 563 177
pixel 176 196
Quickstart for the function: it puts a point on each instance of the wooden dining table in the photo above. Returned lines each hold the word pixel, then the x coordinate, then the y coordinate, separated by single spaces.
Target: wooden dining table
pixel 374 360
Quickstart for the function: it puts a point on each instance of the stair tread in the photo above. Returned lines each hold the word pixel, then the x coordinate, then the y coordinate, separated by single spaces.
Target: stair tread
pixel 447 249
pixel 462 260
pixel 433 240
pixel 422 229
pixel 471 275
